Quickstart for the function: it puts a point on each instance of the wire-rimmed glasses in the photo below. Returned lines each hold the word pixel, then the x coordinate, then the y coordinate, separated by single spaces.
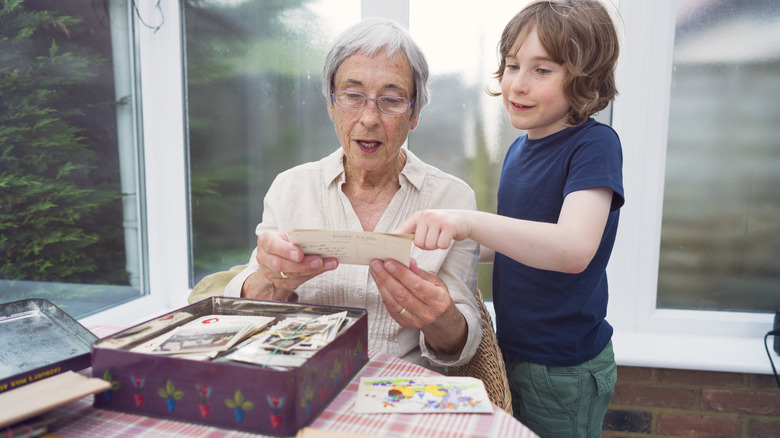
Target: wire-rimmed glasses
pixel 353 101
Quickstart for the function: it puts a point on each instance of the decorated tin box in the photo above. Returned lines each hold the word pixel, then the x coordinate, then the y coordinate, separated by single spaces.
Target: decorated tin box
pixel 39 340
pixel 224 393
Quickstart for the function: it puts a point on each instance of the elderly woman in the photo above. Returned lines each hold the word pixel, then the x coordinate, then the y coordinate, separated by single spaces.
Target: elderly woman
pixel 375 82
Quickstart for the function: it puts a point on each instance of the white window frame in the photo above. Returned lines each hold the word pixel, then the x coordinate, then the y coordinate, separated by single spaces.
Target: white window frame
pixel 644 336
pixel 161 70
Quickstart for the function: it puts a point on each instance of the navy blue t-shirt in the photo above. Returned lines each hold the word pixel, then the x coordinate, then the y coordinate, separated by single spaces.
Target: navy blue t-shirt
pixel 547 317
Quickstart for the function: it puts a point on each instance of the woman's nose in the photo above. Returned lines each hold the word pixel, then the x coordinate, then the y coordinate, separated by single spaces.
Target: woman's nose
pixel 370 113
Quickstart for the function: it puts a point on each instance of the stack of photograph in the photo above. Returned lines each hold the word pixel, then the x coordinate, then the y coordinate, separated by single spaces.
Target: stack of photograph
pixel 290 342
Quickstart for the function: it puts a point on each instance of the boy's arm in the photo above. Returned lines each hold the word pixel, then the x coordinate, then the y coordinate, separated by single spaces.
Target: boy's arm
pixel 486 255
pixel 566 246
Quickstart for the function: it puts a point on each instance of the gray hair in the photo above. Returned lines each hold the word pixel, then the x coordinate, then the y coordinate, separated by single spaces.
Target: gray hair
pixel 371 36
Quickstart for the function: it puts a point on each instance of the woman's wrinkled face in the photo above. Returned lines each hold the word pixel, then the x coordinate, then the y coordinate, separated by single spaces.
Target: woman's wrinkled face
pixel 370 138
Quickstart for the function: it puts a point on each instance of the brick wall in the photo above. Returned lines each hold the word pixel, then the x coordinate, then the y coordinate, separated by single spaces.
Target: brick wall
pixel 654 402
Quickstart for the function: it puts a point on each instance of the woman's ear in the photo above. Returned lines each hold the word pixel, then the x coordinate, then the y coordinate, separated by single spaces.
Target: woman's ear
pixel 330 112
pixel 414 122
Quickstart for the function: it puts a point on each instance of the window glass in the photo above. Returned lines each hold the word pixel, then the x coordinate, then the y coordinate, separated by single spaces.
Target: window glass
pixel 720 245
pixel 255 108
pixel 70 223
pixel 463 130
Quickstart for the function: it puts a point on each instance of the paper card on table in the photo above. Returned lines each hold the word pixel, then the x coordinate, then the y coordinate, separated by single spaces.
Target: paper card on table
pixel 421 395
pixel 44 395
pixel 354 247
pixel 310 432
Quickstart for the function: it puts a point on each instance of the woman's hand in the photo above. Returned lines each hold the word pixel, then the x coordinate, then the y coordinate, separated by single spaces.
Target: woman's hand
pixel 283 267
pixel 419 299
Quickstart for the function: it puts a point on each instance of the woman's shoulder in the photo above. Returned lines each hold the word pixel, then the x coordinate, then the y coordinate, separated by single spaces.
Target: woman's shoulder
pixel 313 170
pixel 439 189
pixel 427 173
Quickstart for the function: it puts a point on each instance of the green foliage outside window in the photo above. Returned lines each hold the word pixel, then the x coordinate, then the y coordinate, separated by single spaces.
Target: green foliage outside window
pixel 60 210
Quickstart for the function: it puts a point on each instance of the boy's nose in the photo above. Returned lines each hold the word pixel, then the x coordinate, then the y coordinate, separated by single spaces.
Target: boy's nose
pixel 520 83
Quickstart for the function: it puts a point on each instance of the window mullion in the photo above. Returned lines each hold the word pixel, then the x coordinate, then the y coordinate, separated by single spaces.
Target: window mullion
pixel 640 116
pixel 161 69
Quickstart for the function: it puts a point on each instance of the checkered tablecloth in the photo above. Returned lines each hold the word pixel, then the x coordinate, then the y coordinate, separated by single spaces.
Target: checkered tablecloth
pixel 80 420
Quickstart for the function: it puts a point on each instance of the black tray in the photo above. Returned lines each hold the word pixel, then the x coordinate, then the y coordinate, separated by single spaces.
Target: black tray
pixel 39 340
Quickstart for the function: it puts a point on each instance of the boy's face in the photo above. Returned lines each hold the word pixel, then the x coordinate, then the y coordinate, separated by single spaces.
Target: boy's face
pixel 532 89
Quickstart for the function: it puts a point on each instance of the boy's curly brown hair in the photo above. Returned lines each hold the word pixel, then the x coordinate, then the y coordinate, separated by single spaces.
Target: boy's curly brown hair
pixel 578 34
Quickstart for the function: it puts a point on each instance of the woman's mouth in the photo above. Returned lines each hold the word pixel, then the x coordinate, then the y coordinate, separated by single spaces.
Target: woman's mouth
pixel 368 146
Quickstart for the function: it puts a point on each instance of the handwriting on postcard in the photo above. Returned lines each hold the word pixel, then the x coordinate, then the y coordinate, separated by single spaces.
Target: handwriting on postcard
pixel 354 247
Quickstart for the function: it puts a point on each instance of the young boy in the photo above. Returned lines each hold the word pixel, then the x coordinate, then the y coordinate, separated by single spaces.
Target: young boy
pixel 558 205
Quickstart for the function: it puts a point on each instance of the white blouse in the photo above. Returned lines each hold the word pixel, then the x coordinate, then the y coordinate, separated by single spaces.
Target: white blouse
pixel 309 196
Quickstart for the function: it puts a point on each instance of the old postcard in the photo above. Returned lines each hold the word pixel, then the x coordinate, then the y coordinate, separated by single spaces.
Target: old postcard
pixel 354 247
pixel 290 342
pixel 129 336
pixel 207 334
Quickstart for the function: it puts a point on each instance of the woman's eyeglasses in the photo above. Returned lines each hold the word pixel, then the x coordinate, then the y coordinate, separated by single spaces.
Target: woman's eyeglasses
pixel 352 100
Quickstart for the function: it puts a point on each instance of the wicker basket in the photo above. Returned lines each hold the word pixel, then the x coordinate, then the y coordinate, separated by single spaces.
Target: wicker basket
pixel 488 363
pixel 213 284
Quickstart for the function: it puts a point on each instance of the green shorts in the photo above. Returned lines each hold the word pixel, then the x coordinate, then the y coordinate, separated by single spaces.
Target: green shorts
pixel 563 401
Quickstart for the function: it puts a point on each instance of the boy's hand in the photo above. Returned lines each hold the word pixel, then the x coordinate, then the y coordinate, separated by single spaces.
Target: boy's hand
pixel 436 229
